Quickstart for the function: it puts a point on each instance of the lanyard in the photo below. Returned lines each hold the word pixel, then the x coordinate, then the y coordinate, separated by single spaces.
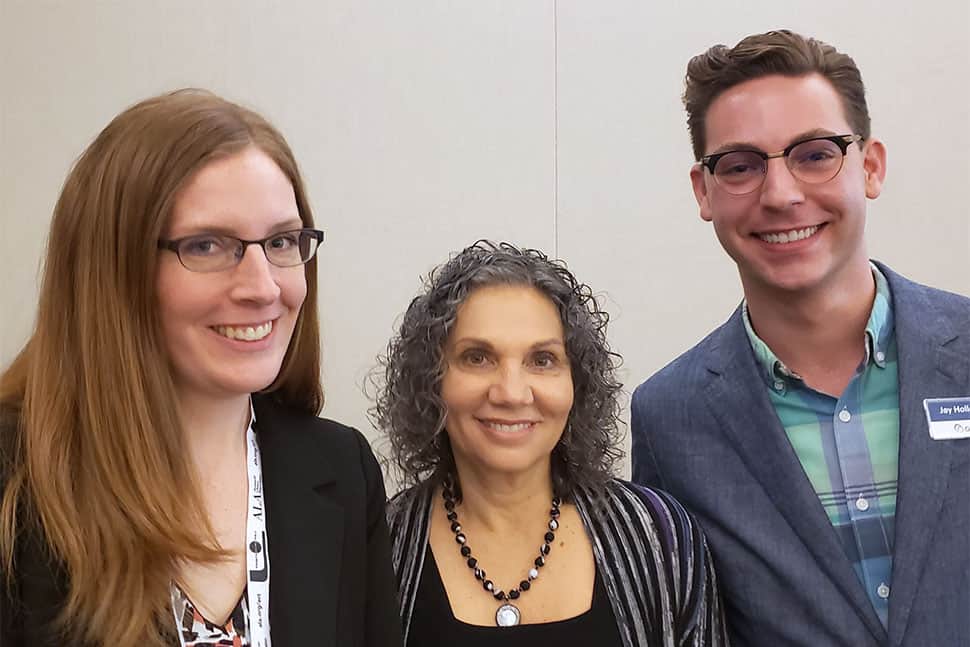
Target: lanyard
pixel 257 548
pixel 257 551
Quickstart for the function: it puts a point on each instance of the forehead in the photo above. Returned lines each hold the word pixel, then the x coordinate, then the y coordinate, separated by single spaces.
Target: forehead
pixel 246 191
pixel 507 311
pixel 771 111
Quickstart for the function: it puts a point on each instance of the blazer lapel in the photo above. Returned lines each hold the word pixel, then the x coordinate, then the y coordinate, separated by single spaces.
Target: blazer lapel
pixel 737 397
pixel 304 528
pixel 929 367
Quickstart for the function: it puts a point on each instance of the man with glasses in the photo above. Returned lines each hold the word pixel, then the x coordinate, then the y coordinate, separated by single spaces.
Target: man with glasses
pixel 822 434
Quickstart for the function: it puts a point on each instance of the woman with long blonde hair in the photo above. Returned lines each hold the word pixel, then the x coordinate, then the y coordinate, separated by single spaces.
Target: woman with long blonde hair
pixel 164 477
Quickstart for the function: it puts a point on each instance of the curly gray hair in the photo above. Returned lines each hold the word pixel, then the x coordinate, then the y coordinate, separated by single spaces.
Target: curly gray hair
pixel 408 405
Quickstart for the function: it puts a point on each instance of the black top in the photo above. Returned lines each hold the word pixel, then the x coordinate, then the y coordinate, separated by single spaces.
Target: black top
pixel 432 622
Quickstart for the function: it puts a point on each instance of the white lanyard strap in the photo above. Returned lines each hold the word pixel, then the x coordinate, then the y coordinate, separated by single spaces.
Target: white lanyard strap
pixel 257 552
pixel 257 547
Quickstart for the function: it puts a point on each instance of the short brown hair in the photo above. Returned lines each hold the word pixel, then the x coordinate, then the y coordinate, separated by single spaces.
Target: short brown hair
pixel 775 52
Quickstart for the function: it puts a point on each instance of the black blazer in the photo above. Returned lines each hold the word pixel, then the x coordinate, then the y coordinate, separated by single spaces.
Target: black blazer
pixel 331 582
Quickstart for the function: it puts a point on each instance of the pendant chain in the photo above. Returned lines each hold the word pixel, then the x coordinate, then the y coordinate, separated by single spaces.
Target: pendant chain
pixel 448 494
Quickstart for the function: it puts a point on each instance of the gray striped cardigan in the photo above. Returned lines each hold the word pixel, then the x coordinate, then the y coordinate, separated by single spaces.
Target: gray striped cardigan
pixel 650 553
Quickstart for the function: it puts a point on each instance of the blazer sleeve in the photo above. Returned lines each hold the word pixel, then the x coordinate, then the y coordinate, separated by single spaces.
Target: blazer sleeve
pixel 383 623
pixel 644 414
pixel 11 634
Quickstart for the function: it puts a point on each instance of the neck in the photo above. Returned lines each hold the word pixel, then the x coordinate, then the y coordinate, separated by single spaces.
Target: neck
pixel 502 501
pixel 213 428
pixel 816 333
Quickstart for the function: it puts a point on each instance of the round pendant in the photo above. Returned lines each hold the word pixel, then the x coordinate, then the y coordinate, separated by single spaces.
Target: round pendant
pixel 507 615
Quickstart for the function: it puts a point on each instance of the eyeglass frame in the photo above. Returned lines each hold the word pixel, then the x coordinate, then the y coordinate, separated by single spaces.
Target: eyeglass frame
pixel 842 141
pixel 173 245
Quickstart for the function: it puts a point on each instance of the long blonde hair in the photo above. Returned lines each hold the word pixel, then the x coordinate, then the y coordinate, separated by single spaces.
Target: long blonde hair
pixel 96 461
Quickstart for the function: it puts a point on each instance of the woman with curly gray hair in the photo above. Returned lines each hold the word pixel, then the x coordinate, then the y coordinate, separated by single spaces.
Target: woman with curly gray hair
pixel 500 403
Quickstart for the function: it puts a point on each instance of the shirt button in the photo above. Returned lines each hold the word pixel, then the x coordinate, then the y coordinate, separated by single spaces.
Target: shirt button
pixel 883 591
pixel 845 416
pixel 861 504
pixel 880 356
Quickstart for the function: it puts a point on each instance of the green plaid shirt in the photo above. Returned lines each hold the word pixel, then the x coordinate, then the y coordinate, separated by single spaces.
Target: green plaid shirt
pixel 849 447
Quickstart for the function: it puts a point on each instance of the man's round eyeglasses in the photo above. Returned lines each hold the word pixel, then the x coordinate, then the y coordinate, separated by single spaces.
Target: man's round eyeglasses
pixel 812 161
pixel 216 252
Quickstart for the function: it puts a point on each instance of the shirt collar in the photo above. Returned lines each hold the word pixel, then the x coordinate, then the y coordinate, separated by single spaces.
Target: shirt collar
pixel 879 331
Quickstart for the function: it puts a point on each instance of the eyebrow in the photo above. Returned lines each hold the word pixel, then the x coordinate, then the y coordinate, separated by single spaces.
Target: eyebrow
pixel 219 230
pixel 748 146
pixel 477 341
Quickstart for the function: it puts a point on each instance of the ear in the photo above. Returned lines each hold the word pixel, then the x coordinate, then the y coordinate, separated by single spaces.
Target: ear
pixel 699 182
pixel 874 164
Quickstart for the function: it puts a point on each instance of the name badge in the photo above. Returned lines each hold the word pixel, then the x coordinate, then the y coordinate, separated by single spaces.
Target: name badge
pixel 948 418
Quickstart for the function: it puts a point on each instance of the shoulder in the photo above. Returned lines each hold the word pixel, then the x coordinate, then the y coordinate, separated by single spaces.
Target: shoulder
pixel 296 444
pixel 407 505
pixel 407 521
pixel 9 418
pixel 920 310
pixel 646 525
pixel 647 506
pixel 9 429
pixel 9 424
pixel 626 508
pixel 689 370
pixel 904 291
pixel 303 428
pixel 646 533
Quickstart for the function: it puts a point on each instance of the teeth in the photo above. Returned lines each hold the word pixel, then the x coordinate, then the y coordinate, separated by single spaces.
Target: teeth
pixel 246 334
pixel 788 236
pixel 519 426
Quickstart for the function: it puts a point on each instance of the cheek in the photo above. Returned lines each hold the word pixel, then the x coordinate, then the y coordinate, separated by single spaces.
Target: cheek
pixel 460 402
pixel 458 394
pixel 843 198
pixel 294 290
pixel 566 405
pixel 732 221
pixel 180 302
pixel 558 397
pixel 854 199
pixel 180 327
pixel 731 210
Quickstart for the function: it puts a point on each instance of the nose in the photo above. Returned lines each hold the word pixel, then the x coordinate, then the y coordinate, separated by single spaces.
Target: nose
pixel 511 387
pixel 254 278
pixel 780 189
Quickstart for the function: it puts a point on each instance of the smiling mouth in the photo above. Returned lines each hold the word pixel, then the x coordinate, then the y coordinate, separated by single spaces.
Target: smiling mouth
pixel 245 333
pixel 790 236
pixel 507 428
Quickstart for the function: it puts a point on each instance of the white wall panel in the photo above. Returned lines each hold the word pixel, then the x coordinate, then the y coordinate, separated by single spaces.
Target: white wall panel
pixel 421 126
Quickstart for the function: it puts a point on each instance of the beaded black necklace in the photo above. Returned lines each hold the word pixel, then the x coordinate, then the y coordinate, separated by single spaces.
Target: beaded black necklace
pixel 508 614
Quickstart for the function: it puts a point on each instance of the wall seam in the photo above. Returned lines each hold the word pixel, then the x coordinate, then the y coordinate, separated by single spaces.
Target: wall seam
pixel 555 112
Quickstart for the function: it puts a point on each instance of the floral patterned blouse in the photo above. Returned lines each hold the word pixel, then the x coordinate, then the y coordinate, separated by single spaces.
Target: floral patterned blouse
pixel 198 632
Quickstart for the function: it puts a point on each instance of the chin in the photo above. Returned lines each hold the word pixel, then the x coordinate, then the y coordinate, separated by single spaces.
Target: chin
pixel 233 386
pixel 794 278
pixel 801 281
pixel 515 464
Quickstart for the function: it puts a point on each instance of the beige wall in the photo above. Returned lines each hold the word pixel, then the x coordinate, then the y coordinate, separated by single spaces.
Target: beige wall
pixel 422 126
